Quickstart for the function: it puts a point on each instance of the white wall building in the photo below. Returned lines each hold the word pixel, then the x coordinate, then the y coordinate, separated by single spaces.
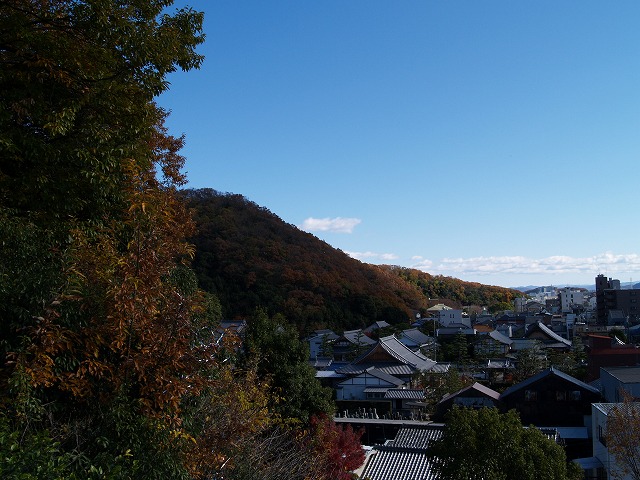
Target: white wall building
pixel 570 297
pixel 450 317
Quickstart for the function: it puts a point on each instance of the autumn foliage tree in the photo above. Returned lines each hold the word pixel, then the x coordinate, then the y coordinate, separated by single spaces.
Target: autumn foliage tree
pixel 110 366
pixel 337 448
pixel 101 317
pixel 623 434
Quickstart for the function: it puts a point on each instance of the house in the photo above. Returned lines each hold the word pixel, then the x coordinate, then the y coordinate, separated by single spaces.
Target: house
pixel 391 356
pixel 525 344
pixel 379 325
pixel 405 457
pixel 433 311
pixel 548 338
pixel 406 402
pixel 511 319
pixel 614 381
pixel 551 398
pixel 492 344
pixel 350 343
pixel 454 329
pixel 448 317
pixel 320 343
pixel 474 396
pixel 415 340
pixel 498 370
pixel 371 384
pixel 603 351
pixel 533 307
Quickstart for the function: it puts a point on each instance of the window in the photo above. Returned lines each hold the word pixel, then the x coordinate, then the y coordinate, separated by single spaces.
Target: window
pixel 530 395
pixel 601 435
pixel 561 395
pixel 576 395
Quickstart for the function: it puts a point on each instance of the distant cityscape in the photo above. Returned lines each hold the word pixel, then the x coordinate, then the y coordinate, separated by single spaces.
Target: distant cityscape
pixel 560 357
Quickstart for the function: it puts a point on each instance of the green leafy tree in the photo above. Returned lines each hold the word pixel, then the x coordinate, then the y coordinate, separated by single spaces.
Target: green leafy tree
pixel 486 445
pixel 437 385
pixel 457 350
pixel 529 361
pixel 284 358
pixel 500 307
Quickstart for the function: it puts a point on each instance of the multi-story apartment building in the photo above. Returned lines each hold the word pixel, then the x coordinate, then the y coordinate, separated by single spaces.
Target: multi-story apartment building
pixel 611 298
pixel 570 298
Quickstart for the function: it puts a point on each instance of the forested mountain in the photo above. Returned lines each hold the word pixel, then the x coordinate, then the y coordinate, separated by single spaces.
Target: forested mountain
pixel 249 257
pixel 465 293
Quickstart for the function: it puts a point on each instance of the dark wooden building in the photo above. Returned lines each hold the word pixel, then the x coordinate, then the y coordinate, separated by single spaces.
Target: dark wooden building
pixel 551 398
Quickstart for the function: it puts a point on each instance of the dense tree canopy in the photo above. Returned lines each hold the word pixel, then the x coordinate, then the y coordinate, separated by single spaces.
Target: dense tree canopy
pixel 486 445
pixel 283 358
pixel 465 293
pixel 99 312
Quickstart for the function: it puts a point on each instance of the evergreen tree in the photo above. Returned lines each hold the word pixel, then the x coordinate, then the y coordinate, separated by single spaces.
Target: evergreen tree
pixel 283 358
pixel 486 445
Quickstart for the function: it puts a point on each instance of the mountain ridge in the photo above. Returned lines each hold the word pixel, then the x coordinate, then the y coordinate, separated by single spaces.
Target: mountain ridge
pixel 249 257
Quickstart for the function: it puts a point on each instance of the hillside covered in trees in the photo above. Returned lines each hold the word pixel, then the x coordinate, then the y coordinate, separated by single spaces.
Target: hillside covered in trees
pixel 249 257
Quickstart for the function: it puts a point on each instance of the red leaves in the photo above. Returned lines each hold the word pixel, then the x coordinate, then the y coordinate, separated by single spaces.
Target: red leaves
pixel 338 448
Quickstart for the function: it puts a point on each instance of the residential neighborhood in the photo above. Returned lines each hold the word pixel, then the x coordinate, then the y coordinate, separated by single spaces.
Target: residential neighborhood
pixel 560 359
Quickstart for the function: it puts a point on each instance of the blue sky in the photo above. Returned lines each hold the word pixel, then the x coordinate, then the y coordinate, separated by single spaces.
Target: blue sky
pixel 492 141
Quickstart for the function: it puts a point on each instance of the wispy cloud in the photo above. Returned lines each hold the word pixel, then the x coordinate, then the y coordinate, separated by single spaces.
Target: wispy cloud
pixel 372 256
pixel 607 262
pixel 336 225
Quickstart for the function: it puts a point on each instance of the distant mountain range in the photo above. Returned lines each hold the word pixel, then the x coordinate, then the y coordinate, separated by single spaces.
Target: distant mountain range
pixel 590 287
pixel 249 258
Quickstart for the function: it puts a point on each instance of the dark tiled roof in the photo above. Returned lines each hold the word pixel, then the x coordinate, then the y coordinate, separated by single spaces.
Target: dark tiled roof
pixel 391 463
pixel 376 389
pixel 478 387
pixel 397 370
pixel 546 373
pixel 624 374
pixel 417 336
pixel 496 335
pixel 405 458
pixel 394 370
pixel 357 337
pixel 549 333
pixel 404 394
pixel 397 351
pixel 417 436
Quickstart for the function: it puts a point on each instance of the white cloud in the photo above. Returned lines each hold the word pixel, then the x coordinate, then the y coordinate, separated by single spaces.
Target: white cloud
pixel 609 263
pixel 337 225
pixel 372 256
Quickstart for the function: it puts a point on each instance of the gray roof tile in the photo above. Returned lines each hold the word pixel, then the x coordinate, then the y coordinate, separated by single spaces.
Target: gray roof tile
pixel 405 458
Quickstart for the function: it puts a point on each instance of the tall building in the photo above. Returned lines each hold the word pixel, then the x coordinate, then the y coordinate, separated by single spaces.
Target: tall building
pixel 570 298
pixel 612 301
